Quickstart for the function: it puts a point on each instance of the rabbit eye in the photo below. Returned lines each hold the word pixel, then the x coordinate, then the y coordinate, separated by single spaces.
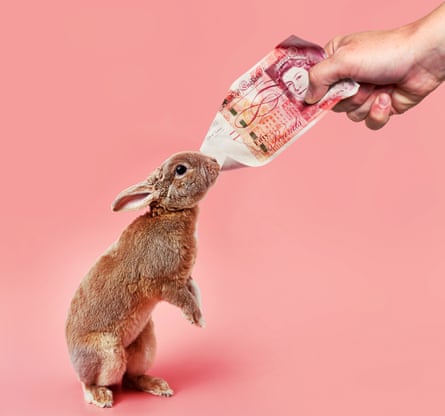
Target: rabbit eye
pixel 180 169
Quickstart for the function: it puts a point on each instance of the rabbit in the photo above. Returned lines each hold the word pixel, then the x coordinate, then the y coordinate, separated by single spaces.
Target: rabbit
pixel 109 328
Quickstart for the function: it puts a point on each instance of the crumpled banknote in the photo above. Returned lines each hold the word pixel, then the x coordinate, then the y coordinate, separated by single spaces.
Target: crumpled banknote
pixel 264 110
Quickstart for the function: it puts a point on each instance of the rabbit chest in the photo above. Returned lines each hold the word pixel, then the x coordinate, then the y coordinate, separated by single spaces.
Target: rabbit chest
pixel 164 246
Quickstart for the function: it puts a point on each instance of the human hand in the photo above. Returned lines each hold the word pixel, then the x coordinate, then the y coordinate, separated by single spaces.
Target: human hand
pixel 396 69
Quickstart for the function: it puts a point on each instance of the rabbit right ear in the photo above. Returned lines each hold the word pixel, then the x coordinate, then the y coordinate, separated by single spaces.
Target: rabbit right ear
pixel 135 197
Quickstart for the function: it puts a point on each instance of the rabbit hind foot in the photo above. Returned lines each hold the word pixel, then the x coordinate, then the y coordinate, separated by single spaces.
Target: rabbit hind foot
pixel 153 385
pixel 98 395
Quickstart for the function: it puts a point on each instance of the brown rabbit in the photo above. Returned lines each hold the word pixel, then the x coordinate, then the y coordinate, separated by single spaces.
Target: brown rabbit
pixel 109 329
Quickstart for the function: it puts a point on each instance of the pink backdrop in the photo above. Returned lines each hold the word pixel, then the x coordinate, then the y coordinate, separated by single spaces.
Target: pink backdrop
pixel 322 273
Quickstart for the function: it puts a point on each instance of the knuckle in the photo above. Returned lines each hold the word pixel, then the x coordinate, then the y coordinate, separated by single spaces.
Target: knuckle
pixel 356 116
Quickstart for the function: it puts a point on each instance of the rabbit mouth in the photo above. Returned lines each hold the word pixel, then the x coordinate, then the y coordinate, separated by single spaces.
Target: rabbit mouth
pixel 213 170
pixel 214 173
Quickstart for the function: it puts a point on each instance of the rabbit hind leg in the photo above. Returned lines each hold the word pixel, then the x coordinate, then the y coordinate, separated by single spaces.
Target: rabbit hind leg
pixel 100 361
pixel 140 356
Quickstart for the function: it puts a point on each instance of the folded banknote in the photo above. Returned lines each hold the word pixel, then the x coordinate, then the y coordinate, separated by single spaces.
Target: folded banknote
pixel 264 110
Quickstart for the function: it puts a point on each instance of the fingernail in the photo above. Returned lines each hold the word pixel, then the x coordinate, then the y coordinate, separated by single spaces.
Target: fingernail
pixel 383 100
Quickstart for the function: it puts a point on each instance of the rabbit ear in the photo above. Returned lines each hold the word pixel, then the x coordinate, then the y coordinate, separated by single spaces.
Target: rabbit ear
pixel 135 197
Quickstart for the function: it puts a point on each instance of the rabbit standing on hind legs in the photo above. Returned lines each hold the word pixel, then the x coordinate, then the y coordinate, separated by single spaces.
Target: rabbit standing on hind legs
pixel 109 329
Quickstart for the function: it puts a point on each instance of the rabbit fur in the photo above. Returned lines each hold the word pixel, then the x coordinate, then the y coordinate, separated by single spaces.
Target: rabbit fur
pixel 109 328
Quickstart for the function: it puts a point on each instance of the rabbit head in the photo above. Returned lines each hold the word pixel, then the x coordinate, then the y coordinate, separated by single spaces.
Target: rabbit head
pixel 179 183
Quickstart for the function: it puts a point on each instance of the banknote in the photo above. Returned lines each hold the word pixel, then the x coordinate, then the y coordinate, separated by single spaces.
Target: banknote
pixel 264 110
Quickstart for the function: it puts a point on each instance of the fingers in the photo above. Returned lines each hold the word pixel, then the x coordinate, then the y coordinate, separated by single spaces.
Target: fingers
pixel 327 72
pixel 361 111
pixel 375 111
pixel 350 104
pixel 321 77
pixel 380 112
pixel 372 103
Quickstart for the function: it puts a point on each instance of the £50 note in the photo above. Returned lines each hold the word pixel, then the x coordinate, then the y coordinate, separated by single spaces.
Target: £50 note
pixel 264 110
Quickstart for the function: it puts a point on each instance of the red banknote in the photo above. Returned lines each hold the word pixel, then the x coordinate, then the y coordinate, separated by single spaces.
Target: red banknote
pixel 264 110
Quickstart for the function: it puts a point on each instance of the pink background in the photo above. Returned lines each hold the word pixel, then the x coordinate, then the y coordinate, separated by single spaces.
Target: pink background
pixel 322 273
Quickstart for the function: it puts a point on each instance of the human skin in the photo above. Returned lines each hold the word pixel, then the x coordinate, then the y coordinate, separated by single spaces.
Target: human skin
pixel 396 68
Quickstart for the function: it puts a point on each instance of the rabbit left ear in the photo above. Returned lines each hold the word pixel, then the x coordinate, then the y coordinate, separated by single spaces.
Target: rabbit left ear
pixel 135 197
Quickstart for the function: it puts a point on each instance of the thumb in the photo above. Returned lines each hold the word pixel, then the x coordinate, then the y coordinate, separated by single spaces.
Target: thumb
pixel 321 77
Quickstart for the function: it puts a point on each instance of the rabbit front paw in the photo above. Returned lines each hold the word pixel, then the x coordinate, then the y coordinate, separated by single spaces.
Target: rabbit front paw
pixel 193 288
pixel 195 317
pixel 185 298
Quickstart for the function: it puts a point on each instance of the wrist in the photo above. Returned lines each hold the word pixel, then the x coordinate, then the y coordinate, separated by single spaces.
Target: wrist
pixel 428 39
